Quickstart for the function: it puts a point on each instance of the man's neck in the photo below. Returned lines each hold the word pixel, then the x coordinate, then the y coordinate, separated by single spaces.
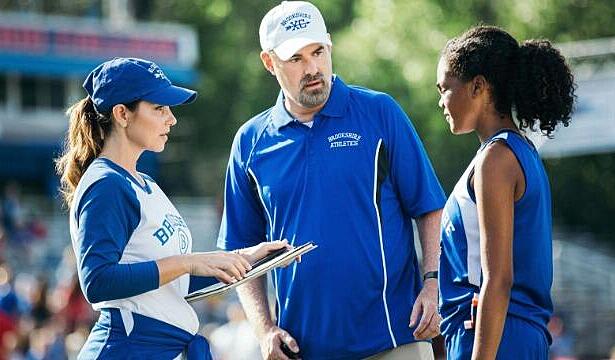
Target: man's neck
pixel 301 113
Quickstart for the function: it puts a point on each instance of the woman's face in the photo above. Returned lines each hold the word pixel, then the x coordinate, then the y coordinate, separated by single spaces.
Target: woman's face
pixel 456 100
pixel 149 126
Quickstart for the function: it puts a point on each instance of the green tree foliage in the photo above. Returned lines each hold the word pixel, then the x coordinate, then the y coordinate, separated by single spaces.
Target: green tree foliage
pixel 234 86
pixel 394 45
pixel 388 45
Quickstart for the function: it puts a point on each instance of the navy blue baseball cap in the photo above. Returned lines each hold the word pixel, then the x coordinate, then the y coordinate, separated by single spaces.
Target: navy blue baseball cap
pixel 124 80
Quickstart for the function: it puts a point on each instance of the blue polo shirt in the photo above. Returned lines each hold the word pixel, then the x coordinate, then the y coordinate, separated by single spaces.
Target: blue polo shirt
pixel 351 184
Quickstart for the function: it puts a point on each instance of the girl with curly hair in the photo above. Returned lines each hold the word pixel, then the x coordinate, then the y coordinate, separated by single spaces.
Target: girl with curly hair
pixel 496 265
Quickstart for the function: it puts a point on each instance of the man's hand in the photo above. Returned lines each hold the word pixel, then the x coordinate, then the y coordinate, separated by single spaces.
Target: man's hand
pixel 257 252
pixel 271 341
pixel 426 306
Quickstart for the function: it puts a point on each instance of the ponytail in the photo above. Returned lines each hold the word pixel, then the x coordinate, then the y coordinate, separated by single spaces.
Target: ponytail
pixel 83 144
pixel 544 88
pixel 533 78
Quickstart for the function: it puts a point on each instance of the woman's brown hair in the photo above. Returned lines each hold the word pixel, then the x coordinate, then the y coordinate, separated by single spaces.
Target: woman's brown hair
pixel 84 141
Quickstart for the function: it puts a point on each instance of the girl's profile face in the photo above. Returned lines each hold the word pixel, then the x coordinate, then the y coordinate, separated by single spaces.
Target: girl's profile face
pixel 455 100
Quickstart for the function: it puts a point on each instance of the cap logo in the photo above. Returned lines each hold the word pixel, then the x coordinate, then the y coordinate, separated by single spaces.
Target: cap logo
pixel 155 70
pixel 296 21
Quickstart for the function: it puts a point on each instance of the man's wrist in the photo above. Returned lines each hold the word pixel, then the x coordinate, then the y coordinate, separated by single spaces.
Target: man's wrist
pixel 430 275
pixel 264 329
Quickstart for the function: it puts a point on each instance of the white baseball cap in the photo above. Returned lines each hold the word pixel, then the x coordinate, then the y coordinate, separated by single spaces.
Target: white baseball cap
pixel 290 26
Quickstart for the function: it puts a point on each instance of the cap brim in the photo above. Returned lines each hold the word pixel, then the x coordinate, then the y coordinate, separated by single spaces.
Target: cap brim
pixel 171 96
pixel 291 46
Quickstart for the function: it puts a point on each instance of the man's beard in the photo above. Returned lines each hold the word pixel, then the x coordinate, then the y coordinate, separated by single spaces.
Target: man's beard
pixel 316 97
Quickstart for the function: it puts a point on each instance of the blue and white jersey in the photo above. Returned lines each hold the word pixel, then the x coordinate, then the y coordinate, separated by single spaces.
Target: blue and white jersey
pixel 460 267
pixel 351 184
pixel 119 228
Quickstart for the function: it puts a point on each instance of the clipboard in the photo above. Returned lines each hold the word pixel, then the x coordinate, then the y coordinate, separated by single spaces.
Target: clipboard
pixel 262 266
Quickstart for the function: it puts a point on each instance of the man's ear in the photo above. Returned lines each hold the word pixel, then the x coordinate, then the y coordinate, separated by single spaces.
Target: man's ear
pixel 267 60
pixel 479 85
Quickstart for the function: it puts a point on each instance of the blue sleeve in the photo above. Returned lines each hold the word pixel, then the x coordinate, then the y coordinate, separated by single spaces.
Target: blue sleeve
pixel 412 174
pixel 107 214
pixel 243 221
pixel 200 282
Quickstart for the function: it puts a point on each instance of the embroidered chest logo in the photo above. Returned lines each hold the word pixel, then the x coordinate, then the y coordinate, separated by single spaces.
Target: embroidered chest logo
pixel 296 21
pixel 172 224
pixel 344 139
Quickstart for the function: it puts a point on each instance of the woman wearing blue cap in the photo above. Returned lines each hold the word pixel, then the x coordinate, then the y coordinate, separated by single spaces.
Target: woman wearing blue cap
pixel 133 248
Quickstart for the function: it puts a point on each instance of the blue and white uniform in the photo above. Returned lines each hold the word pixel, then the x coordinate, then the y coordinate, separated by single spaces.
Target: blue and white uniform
pixel 351 183
pixel 119 228
pixel 525 331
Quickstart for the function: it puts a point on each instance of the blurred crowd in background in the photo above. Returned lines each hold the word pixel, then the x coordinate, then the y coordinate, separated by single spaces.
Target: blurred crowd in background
pixel 44 316
pixel 212 46
pixel 43 313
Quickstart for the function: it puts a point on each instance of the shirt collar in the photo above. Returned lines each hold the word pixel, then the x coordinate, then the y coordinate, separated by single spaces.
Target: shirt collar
pixel 335 106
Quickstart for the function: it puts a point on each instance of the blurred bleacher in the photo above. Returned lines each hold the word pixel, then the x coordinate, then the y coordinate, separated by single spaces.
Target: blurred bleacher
pixel 201 215
pixel 584 292
pixel 583 284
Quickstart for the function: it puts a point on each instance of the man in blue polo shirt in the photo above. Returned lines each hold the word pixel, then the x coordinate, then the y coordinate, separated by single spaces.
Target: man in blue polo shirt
pixel 341 166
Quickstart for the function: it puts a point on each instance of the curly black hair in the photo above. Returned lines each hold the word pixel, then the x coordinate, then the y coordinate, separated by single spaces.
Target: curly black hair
pixel 533 78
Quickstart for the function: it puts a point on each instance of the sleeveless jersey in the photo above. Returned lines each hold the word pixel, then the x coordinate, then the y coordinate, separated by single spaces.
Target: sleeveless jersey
pixel 460 267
